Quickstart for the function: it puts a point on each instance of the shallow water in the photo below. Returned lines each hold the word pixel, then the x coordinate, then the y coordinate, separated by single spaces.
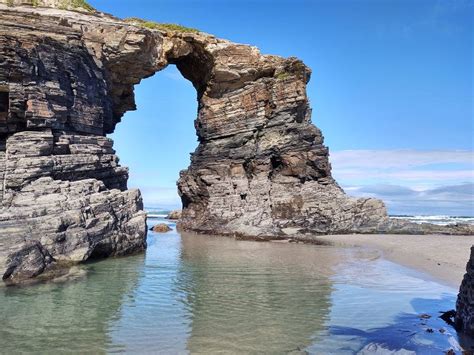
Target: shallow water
pixel 199 294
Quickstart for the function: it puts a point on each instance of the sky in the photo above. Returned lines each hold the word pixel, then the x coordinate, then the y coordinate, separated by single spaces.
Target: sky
pixel 391 90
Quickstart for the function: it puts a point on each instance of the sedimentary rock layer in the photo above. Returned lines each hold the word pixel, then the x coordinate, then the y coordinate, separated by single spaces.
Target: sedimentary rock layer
pixel 261 169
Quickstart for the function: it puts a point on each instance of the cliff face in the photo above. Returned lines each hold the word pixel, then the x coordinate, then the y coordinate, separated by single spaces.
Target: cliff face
pixel 66 78
pixel 465 302
pixel 63 194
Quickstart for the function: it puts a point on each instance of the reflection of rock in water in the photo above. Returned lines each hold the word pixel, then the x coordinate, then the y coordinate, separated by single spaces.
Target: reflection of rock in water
pixel 419 331
pixel 276 301
pixel 70 316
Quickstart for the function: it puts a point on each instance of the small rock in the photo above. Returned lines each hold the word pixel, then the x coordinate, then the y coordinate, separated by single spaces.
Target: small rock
pixel 424 316
pixel 160 228
pixel 448 316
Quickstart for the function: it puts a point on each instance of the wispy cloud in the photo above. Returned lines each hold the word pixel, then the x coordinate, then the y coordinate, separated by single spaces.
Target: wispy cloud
pixel 403 167
pixel 448 200
pixel 410 181
pixel 407 175
pixel 398 158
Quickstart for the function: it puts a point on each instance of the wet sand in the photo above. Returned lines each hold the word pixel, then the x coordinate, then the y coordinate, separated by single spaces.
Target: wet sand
pixel 444 257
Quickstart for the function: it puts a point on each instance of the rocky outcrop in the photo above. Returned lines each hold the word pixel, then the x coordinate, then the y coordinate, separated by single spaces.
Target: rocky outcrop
pixel 465 304
pixel 174 215
pixel 66 79
pixel 160 228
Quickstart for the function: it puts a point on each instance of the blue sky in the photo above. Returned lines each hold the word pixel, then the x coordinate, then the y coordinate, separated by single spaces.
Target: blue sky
pixel 392 91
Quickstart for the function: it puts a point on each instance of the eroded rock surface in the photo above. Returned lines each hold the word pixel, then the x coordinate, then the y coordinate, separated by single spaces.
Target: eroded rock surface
pixel 261 169
pixel 465 303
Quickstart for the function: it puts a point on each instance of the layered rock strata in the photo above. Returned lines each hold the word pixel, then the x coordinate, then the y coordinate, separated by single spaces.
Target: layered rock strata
pixel 261 169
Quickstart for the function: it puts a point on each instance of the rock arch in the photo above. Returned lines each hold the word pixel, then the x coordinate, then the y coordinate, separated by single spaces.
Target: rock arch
pixel 261 169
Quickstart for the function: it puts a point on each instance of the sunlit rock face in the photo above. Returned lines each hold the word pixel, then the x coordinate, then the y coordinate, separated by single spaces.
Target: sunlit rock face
pixel 261 169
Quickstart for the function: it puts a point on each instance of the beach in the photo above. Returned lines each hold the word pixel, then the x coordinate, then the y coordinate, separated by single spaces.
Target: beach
pixel 443 257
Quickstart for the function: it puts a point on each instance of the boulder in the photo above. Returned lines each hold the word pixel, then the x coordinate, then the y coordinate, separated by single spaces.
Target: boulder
pixel 160 228
pixel 30 260
pixel 174 215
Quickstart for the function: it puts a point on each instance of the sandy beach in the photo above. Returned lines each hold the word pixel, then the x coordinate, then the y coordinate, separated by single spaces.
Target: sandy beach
pixel 444 257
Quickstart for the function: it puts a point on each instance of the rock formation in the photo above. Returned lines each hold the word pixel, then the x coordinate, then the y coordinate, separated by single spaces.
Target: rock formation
pixel 465 303
pixel 174 215
pixel 261 169
pixel 160 228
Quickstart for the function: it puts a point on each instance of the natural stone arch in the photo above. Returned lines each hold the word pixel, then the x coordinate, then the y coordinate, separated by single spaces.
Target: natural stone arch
pixel 260 171
pixel 261 168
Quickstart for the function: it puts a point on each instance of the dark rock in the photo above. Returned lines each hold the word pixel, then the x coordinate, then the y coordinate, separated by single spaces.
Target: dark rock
pixel 464 315
pixel 448 317
pixel 29 261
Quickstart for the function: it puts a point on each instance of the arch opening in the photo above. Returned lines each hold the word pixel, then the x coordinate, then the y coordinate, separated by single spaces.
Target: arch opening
pixel 155 141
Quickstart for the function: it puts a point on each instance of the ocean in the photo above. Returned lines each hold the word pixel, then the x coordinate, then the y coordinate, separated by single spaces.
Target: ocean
pixel 442 220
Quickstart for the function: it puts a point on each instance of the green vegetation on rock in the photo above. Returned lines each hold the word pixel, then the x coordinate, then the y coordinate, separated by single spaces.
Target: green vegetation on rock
pixel 75 4
pixel 282 76
pixel 160 26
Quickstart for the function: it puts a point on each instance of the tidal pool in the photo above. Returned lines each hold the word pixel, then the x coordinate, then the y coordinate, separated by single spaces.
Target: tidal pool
pixel 199 294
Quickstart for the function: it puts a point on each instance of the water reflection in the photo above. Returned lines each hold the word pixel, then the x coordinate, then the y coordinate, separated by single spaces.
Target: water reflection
pixel 72 315
pixel 378 306
pixel 251 297
pixel 200 294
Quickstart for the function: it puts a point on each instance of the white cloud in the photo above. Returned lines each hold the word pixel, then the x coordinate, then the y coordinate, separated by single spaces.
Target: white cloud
pixel 403 167
pixel 398 158
pixel 410 181
pixel 407 175
pixel 448 200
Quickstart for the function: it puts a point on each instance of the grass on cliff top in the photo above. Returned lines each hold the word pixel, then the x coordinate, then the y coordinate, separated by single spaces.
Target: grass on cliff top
pixel 63 4
pixel 160 26
pixel 75 4
pixel 82 3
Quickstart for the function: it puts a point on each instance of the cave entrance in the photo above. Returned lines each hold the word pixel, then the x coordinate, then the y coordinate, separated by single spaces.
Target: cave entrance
pixel 156 140
pixel 4 103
